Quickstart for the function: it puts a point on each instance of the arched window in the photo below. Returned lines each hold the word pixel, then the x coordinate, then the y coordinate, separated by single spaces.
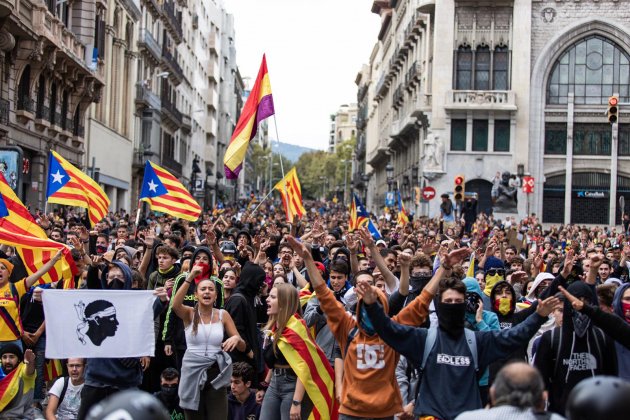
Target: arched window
pixel 64 111
pixel 482 68
pixel 24 91
pixel 42 111
pixel 53 103
pixel 464 68
pixel 500 68
pixel 593 69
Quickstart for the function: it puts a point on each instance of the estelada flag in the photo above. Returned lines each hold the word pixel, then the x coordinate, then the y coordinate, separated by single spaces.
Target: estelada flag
pixel 311 366
pixel 259 105
pixel 291 192
pixel 19 230
pixel 403 219
pixel 166 194
pixel 68 185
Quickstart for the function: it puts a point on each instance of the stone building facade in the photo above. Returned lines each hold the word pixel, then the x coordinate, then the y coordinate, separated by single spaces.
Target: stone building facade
pixel 343 125
pixel 53 70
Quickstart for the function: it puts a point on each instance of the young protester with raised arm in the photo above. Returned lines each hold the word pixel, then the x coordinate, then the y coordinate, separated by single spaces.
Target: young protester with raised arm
pixel 368 241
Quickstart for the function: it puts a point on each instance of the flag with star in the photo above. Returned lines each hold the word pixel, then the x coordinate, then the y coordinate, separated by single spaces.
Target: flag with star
pixel 166 194
pixel 68 185
pixel 360 217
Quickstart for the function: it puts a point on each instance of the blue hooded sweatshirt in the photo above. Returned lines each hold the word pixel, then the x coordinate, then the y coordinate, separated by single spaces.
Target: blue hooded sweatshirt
pixel 489 320
pixel 623 354
pixel 117 373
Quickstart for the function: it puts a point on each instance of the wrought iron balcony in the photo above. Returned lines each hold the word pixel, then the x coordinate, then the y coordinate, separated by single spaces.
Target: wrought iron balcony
pixel 146 97
pixel 147 43
pixel 170 112
pixel 43 112
pixel 25 103
pixel 170 163
pixel 173 24
pixel 171 65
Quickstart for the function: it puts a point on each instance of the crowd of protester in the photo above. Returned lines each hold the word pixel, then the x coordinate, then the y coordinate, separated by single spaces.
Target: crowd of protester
pixel 435 319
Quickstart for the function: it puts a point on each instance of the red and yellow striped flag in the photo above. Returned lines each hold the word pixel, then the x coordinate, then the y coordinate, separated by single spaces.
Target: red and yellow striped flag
pixel 291 193
pixel 68 185
pixel 18 229
pixel 10 385
pixel 312 367
pixel 52 369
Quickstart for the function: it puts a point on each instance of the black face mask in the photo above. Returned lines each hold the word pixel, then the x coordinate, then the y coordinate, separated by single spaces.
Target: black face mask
pixel 116 285
pixel 100 249
pixel 169 392
pixel 451 317
pixel 418 283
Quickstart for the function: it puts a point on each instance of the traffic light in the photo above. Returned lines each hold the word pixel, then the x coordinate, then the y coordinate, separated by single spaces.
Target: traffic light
pixel 613 109
pixel 459 189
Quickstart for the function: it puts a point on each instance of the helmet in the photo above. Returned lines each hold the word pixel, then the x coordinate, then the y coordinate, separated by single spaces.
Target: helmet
pixel 599 398
pixel 131 404
pixel 228 248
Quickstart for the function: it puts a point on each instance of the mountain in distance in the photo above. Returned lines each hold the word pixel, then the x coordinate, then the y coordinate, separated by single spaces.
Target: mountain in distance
pixel 290 151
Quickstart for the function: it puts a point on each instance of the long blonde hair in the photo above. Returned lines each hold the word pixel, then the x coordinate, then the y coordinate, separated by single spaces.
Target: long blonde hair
pixel 288 304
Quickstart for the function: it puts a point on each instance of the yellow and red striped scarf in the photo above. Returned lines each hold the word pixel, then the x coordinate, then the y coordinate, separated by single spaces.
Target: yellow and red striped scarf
pixel 312 368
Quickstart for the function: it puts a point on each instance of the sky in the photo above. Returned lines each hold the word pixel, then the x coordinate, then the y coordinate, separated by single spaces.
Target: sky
pixel 314 48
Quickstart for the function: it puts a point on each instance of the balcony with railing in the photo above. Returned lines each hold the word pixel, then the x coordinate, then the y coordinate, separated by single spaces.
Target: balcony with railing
pixel 147 44
pixel 146 97
pixel 186 123
pixel 170 114
pixel 25 108
pixel 398 97
pixel 492 100
pixel 381 87
pixel 169 62
pixel 172 22
pixel 174 166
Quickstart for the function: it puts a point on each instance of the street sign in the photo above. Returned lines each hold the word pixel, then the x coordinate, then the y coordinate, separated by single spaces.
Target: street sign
pixel 198 186
pixel 428 193
pixel 528 184
pixel 389 199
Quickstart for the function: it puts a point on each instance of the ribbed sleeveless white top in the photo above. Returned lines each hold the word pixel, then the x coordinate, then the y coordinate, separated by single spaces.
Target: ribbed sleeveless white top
pixel 209 336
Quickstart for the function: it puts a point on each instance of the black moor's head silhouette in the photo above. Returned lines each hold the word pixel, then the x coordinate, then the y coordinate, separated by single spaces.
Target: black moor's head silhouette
pixel 98 321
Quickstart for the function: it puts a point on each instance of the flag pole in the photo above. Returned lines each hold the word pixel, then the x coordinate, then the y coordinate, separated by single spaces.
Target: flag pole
pixel 262 201
pixel 275 124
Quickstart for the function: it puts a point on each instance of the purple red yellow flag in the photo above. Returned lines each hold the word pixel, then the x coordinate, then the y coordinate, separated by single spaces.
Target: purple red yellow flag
pixel 18 229
pixel 68 185
pixel 312 367
pixel 259 105
pixel 291 192
pixel 166 194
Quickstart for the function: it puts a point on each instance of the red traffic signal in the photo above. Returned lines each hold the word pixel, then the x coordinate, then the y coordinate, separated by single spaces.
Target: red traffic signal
pixel 458 190
pixel 613 109
pixel 459 180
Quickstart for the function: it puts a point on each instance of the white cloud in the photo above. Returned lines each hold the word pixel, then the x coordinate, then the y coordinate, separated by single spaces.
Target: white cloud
pixel 315 48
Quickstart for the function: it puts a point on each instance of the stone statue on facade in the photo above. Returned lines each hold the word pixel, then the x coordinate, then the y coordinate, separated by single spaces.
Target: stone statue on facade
pixel 433 153
pixel 504 195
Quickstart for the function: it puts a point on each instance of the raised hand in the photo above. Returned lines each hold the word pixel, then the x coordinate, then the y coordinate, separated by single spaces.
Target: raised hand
pixel 353 243
pixel 576 303
pixel 546 307
pixel 569 261
pixel 366 292
pixel 299 248
pixel 404 260
pixel 456 256
pixel 366 238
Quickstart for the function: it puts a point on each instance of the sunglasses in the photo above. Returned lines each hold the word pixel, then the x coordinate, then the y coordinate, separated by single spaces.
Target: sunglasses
pixel 495 271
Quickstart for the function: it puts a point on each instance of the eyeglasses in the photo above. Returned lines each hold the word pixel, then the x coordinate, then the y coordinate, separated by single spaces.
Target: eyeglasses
pixel 495 271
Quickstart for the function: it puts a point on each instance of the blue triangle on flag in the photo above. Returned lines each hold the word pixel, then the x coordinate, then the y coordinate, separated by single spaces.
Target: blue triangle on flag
pixel 4 211
pixel 57 176
pixel 151 184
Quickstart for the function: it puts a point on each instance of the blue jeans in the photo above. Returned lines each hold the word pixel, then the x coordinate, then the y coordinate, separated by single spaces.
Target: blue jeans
pixel 40 363
pixel 277 402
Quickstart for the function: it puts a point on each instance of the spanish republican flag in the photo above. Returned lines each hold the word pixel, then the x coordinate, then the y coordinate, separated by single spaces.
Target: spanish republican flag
pixel 166 194
pixel 10 385
pixel 259 106
pixel 18 229
pixel 68 185
pixel 291 191
pixel 312 368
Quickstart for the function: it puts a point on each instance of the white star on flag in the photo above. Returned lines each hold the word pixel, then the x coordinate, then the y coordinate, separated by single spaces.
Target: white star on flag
pixel 58 177
pixel 152 186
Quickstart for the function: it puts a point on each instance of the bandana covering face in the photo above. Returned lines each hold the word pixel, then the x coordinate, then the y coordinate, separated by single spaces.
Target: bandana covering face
pixel 490 282
pixel 626 308
pixel 503 305
pixel 581 322
pixel 205 272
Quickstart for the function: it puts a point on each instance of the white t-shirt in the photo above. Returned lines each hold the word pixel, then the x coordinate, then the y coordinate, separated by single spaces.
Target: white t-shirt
pixel 69 407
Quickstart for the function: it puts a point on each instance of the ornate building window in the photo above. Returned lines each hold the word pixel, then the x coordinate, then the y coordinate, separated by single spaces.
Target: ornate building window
pixel 592 139
pixel 464 60
pixel 593 69
pixel 501 67
pixel 458 135
pixel 556 139
pixel 482 68
pixel 53 104
pixel 501 135
pixel 42 110
pixel 24 101
pixel 64 111
pixel 480 136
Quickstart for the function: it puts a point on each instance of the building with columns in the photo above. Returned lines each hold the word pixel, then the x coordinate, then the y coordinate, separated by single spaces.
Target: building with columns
pixel 53 70
pixel 580 57
pixel 110 126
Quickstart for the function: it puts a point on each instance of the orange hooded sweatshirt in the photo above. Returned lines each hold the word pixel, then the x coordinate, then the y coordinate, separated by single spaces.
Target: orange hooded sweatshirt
pixel 369 364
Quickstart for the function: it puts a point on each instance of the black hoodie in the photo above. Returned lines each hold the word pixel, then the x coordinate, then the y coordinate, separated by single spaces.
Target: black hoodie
pixel 564 358
pixel 509 320
pixel 241 306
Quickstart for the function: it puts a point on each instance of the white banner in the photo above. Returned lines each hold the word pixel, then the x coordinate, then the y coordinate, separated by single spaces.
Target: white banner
pixel 99 323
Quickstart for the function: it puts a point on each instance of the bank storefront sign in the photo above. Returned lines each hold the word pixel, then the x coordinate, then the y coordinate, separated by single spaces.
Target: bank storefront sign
pixel 591 194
